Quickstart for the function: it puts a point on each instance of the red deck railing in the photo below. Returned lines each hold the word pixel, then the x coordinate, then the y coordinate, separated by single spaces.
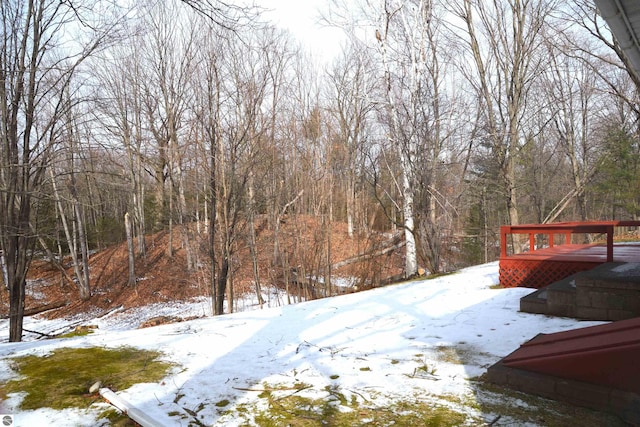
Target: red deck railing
pixel 542 266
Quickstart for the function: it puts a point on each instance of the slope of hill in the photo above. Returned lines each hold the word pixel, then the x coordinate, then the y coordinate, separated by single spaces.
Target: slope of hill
pixel 163 278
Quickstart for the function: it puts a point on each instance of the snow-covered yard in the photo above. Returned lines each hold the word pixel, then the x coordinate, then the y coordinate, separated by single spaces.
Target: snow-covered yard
pixel 424 338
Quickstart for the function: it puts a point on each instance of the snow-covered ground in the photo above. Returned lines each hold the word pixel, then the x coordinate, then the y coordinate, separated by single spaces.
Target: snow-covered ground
pixel 364 343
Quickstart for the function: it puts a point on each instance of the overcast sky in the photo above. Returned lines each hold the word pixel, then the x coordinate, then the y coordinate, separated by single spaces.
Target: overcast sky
pixel 301 17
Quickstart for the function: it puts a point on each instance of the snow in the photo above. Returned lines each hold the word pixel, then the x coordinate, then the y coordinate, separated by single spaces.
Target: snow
pixel 368 343
pixel 626 267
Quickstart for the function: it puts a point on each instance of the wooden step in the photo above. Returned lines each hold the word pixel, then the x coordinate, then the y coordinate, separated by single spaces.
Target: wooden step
pixel 596 367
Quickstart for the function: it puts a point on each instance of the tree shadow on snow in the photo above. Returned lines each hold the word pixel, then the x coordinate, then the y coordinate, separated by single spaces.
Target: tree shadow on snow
pixel 428 341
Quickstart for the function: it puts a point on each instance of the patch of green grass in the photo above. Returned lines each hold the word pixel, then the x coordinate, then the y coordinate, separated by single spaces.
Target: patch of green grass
pixel 222 403
pixel 118 419
pixel 76 333
pixel 335 408
pixel 62 378
pixel 304 405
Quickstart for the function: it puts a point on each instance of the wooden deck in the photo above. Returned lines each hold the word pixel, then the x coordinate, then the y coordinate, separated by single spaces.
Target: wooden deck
pixel 583 253
pixel 538 268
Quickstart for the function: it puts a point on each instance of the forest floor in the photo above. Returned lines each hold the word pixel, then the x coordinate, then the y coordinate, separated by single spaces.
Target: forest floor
pixel 165 278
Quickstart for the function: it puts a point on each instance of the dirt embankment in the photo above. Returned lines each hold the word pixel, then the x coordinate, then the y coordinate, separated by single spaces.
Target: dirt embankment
pixel 163 277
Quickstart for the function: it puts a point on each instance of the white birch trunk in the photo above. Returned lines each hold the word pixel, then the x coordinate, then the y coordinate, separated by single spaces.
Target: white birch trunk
pixel 406 153
pixel 5 273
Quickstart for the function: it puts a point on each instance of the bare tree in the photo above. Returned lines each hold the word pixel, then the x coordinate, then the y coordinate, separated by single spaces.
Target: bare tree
pixel 227 15
pixel 572 88
pixel 207 109
pixel 34 76
pixel 504 39
pixel 232 107
pixel 70 209
pixel 396 14
pixel 608 52
pixel 120 112
pixel 351 104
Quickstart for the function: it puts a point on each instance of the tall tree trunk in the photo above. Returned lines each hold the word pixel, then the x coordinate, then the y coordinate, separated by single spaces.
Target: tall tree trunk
pixel 28 36
pixel 512 49
pixel 3 270
pixel 132 260
pixel 76 245
pixel 85 284
pixel 222 284
pixel 406 153
pixel 252 240
pixel 17 266
pixel 212 231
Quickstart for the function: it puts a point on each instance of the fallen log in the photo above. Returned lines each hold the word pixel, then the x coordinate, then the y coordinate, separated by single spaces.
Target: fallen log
pixel 37 310
pixel 367 256
pixel 41 334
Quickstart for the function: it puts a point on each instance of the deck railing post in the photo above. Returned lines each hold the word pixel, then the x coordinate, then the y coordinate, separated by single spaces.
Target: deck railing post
pixel 532 242
pixel 567 238
pixel 551 242
pixel 503 240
